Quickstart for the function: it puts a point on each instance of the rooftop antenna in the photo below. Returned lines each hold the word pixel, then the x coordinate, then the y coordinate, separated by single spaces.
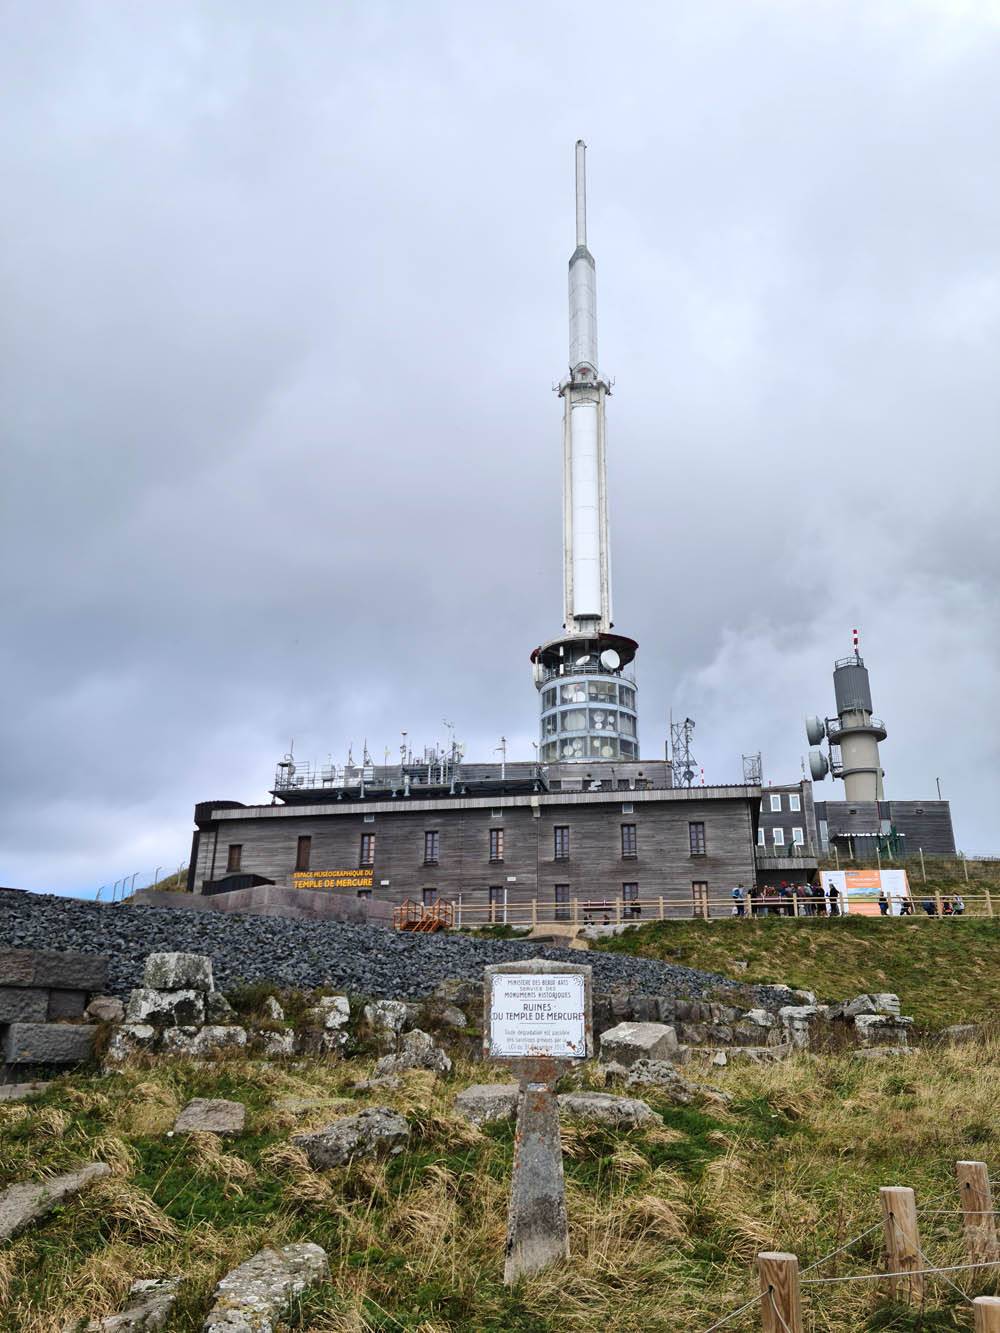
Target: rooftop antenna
pixel 684 763
pixel 502 748
pixel 753 769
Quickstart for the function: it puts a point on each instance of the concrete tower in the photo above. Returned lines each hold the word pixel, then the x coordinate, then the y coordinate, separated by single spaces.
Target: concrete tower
pixel 588 699
pixel 854 731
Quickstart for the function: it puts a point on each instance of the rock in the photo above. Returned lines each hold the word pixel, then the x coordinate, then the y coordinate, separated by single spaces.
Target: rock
pixel 253 1297
pixel 452 1017
pixel 791 996
pixel 418 1050
pixel 720 1058
pixel 603 1108
pixel 798 1021
pixel 48 1043
pixel 199 1042
pixel 66 1004
pixel 484 1103
pixel 130 1039
pixel 274 1011
pixel 218 1009
pixel 275 1045
pixel 330 1015
pixel 178 971
pixel 372 1132
pixel 24 1203
pixel 653 1074
pixel 851 1009
pixel 20 1092
pixel 761 1055
pixel 386 1018
pixel 151 1303
pixel 882 1030
pixel 213 1114
pixel 886 1003
pixel 953 1036
pixel 20 1004
pixel 48 968
pixel 176 1008
pixel 467 995
pixel 629 1042
pixel 106 1009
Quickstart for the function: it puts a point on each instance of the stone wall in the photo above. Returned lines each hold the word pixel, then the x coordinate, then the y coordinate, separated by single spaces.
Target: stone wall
pixel 44 996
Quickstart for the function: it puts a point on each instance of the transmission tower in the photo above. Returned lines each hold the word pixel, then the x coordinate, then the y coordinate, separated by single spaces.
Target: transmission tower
pixel 753 769
pixel 684 763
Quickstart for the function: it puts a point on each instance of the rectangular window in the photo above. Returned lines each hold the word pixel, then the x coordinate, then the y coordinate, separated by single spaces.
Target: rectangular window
pixel 496 814
pixel 430 897
pixel 367 857
pixel 302 853
pixel 794 803
pixel 776 803
pixel 798 837
pixel 369 819
pixel 628 808
pixel 496 845
pixel 364 893
pixel 561 842
pixel 562 902
pixel 699 897
pixel 630 843
pixel 761 838
pixel 555 785
pixel 432 846
pixel 630 901
pixel 778 834
pixel 696 838
pixel 234 856
pixel 498 909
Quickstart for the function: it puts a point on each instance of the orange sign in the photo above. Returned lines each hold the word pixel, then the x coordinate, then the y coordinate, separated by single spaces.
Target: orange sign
pixel 862 879
pixel 334 879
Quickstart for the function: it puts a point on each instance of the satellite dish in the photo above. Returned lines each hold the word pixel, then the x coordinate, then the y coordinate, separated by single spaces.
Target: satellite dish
pixel 582 661
pixel 610 659
pixel 815 730
pixel 819 765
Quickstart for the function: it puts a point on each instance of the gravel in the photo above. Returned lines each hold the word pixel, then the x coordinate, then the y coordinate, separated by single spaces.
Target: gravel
pixel 362 960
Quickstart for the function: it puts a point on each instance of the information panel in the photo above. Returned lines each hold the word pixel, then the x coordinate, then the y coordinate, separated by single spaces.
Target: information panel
pixel 333 879
pixel 538 1015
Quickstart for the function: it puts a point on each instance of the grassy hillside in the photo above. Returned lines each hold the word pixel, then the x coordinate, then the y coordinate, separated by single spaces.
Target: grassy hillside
pixel 665 1221
pixel 945 971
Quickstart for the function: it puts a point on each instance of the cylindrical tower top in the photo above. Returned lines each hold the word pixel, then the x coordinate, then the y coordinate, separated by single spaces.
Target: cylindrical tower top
pixel 581 192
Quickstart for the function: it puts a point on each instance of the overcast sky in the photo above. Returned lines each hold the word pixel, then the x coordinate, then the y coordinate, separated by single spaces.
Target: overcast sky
pixel 283 300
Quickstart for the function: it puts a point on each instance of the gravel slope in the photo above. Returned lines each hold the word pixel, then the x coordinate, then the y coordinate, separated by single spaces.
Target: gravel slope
pixel 366 960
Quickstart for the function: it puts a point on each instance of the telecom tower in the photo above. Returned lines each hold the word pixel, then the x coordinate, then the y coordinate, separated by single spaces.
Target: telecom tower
pixel 588 702
pixel 854 732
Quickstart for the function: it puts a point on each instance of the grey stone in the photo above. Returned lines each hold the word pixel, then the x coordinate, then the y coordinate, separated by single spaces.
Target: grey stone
pixel 861 1004
pixel 21 1004
pixel 24 1203
pixel 218 1009
pixel 759 1018
pixel 537 1226
pixel 201 1042
pixel 652 1074
pixel 68 970
pixel 332 1013
pixel 452 1017
pixel 178 971
pixel 883 1052
pixel 150 1304
pixel 418 1050
pixel 273 1010
pixel 882 1030
pixel 721 1059
pixel 253 1297
pixel 130 1039
pixel 791 996
pixel 761 1055
pixel 629 1042
pixel 798 1022
pixel 166 1008
pixel 483 1103
pixel 886 1003
pixel 645 1009
pixel 959 1032
pixel 275 1045
pixel 666 1009
pixel 386 1018
pixel 603 1108
pixel 106 1009
pixel 373 1132
pixel 21 1092
pixel 215 1115
pixel 48 1043
pixel 66 1004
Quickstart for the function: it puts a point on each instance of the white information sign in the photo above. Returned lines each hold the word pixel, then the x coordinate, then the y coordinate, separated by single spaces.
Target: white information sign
pixel 538 1015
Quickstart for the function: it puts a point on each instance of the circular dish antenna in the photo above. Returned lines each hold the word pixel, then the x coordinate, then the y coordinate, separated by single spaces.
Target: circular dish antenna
pixel 819 765
pixel 610 659
pixel 815 730
pixel 582 661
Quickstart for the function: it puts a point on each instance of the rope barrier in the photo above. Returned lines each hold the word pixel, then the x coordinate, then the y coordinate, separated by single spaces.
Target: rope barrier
pixel 959 1212
pixel 727 1318
pixel 780 1316
pixel 846 1246
pixel 909 1272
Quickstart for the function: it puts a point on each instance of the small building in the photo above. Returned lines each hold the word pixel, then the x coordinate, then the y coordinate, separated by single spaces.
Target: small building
pixel 787 841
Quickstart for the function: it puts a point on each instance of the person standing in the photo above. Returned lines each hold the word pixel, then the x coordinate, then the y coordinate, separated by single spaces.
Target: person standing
pixel 883 902
pixel 739 900
pixel 834 900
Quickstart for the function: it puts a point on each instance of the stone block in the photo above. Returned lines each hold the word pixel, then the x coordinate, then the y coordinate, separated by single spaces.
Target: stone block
pixel 48 1043
pixel 150 1304
pixel 652 1074
pixel 645 1009
pixel 21 1004
pixel 373 1132
pixel 62 970
pixel 959 1033
pixel 106 1009
pixel 629 1042
pixel 386 1018
pixel 418 1050
pixel 214 1115
pixel 218 1009
pixel 484 1103
pixel 66 1004
pixel 254 1296
pixel 25 1203
pixel 882 1030
pixel 886 1003
pixel 130 1039
pixel 332 1013
pixel 666 1009
pixel 275 1045
pixel 166 1008
pixel 21 1092
pixel 197 1043
pixel 604 1108
pixel 178 971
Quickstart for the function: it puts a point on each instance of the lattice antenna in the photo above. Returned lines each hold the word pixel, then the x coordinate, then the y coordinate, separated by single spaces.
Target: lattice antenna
pixel 684 763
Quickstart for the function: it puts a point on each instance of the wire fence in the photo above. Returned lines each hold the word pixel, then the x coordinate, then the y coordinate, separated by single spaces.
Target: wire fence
pixel 120 889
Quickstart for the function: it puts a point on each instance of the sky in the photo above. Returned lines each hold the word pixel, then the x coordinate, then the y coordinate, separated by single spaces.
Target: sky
pixel 283 302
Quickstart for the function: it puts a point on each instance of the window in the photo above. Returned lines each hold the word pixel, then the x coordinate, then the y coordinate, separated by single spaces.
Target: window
pixel 496 845
pixel 234 856
pixel 369 819
pixel 302 853
pixel 496 814
pixel 778 834
pixel 562 902
pixel 761 837
pixel 430 897
pixel 367 857
pixel 364 893
pixel 696 838
pixel 498 903
pixel 630 842
pixel 561 842
pixel 776 802
pixel 628 808
pixel 630 900
pixel 794 801
pixel 699 897
pixel 798 837
pixel 432 845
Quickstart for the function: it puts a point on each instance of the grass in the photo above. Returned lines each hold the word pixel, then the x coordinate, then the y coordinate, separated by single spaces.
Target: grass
pixel 945 971
pixel 665 1221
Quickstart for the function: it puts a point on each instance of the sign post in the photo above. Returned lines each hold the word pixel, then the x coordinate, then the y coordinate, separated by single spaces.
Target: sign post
pixel 538 1017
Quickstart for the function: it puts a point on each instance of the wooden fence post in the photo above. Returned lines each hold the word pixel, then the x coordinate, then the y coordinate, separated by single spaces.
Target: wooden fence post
pixel 989 904
pixel 661 909
pixel 938 902
pixel 534 912
pixel 902 1241
pixel 576 910
pixel 978 1220
pixel 780 1299
pixel 965 868
pixel 986 1312
pixel 923 868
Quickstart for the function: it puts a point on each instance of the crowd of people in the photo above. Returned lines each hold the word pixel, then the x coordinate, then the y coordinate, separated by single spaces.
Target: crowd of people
pixel 787 899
